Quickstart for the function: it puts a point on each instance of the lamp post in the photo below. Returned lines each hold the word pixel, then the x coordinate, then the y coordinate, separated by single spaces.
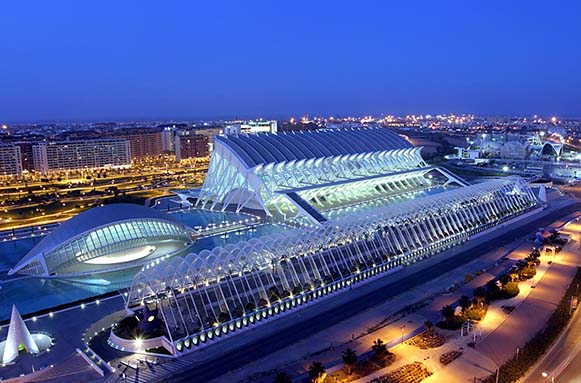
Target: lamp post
pixel 402 328
pixel 546 374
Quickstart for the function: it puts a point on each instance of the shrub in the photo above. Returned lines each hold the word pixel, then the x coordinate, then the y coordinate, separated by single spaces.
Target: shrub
pixel 510 290
pixel 454 323
pixel 528 272
pixel 477 313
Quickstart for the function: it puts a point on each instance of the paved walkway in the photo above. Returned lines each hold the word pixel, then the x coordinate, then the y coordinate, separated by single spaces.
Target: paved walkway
pixel 503 333
pixel 532 315
pixel 473 362
pixel 339 336
pixel 66 327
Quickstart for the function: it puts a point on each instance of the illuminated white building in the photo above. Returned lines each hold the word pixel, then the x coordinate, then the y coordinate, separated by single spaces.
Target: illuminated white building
pixel 288 175
pixel 252 127
pixel 104 239
pixel 366 205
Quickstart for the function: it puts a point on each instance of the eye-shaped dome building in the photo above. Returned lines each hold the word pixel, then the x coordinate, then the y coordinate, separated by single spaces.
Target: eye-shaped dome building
pixel 106 238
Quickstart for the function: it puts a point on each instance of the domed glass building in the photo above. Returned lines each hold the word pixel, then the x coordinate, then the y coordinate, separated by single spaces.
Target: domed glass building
pixel 107 238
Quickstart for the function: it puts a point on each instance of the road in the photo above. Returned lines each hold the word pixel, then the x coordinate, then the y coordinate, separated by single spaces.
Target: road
pixel 261 347
pixel 563 359
pixel 572 374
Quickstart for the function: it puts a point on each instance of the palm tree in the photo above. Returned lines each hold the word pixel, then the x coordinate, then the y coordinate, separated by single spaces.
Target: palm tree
pixel 379 349
pixel 317 372
pixel 282 377
pixel 350 359
pixel 447 312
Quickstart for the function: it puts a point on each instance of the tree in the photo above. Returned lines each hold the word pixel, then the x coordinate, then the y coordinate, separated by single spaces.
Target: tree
pixel 379 349
pixel 428 324
pixel 492 289
pixel 317 372
pixel 350 359
pixel 282 377
pixel 465 303
pixel 480 292
pixel 447 312
pixel 504 279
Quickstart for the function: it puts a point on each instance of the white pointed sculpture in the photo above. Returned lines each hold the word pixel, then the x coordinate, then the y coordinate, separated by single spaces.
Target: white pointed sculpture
pixel 18 334
pixel 543 193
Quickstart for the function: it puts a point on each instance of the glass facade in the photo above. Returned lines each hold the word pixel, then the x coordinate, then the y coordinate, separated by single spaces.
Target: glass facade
pixel 113 238
pixel 118 242
pixel 202 294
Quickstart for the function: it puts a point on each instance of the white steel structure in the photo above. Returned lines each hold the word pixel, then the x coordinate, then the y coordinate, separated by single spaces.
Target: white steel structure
pixel 106 238
pixel 287 175
pixel 18 335
pixel 205 296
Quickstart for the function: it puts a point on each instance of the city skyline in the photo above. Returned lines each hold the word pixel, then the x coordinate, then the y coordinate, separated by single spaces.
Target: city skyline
pixel 199 61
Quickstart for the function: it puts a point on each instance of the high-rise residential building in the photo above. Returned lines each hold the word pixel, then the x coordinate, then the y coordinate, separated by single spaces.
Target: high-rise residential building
pixel 27 157
pixel 10 160
pixel 168 138
pixel 210 133
pixel 252 127
pixel 191 145
pixel 74 155
pixel 145 144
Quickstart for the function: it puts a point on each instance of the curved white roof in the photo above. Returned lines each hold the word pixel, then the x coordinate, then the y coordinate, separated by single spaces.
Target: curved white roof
pixel 90 220
pixel 264 148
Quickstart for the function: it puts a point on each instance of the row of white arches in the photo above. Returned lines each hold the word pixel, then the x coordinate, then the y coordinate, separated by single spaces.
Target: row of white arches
pixel 218 286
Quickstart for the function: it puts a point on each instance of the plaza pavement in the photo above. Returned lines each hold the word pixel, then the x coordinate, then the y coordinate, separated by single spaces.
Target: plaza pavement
pixel 532 314
pixel 66 327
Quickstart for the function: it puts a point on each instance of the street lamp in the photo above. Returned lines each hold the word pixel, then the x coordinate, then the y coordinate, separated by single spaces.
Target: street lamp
pixel 402 328
pixel 545 374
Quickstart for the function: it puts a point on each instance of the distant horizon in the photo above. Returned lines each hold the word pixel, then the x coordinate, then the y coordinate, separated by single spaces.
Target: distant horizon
pixel 277 118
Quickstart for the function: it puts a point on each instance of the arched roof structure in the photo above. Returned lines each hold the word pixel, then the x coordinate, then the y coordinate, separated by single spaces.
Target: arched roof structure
pixel 220 287
pixel 99 232
pixel 298 174
pixel 266 148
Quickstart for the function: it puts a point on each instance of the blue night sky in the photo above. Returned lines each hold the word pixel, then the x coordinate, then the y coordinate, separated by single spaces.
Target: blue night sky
pixel 82 60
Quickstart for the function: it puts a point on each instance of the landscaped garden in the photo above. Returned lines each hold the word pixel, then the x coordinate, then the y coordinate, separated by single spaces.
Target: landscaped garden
pixel 410 373
pixel 449 357
pixel 355 366
pixel 505 286
pixel 430 338
pixel 516 368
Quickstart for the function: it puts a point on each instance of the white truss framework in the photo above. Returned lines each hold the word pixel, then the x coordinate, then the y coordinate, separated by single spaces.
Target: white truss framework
pixel 206 295
pixel 255 171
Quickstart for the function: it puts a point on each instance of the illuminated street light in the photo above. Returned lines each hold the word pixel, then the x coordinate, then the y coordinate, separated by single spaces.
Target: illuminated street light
pixel 545 374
